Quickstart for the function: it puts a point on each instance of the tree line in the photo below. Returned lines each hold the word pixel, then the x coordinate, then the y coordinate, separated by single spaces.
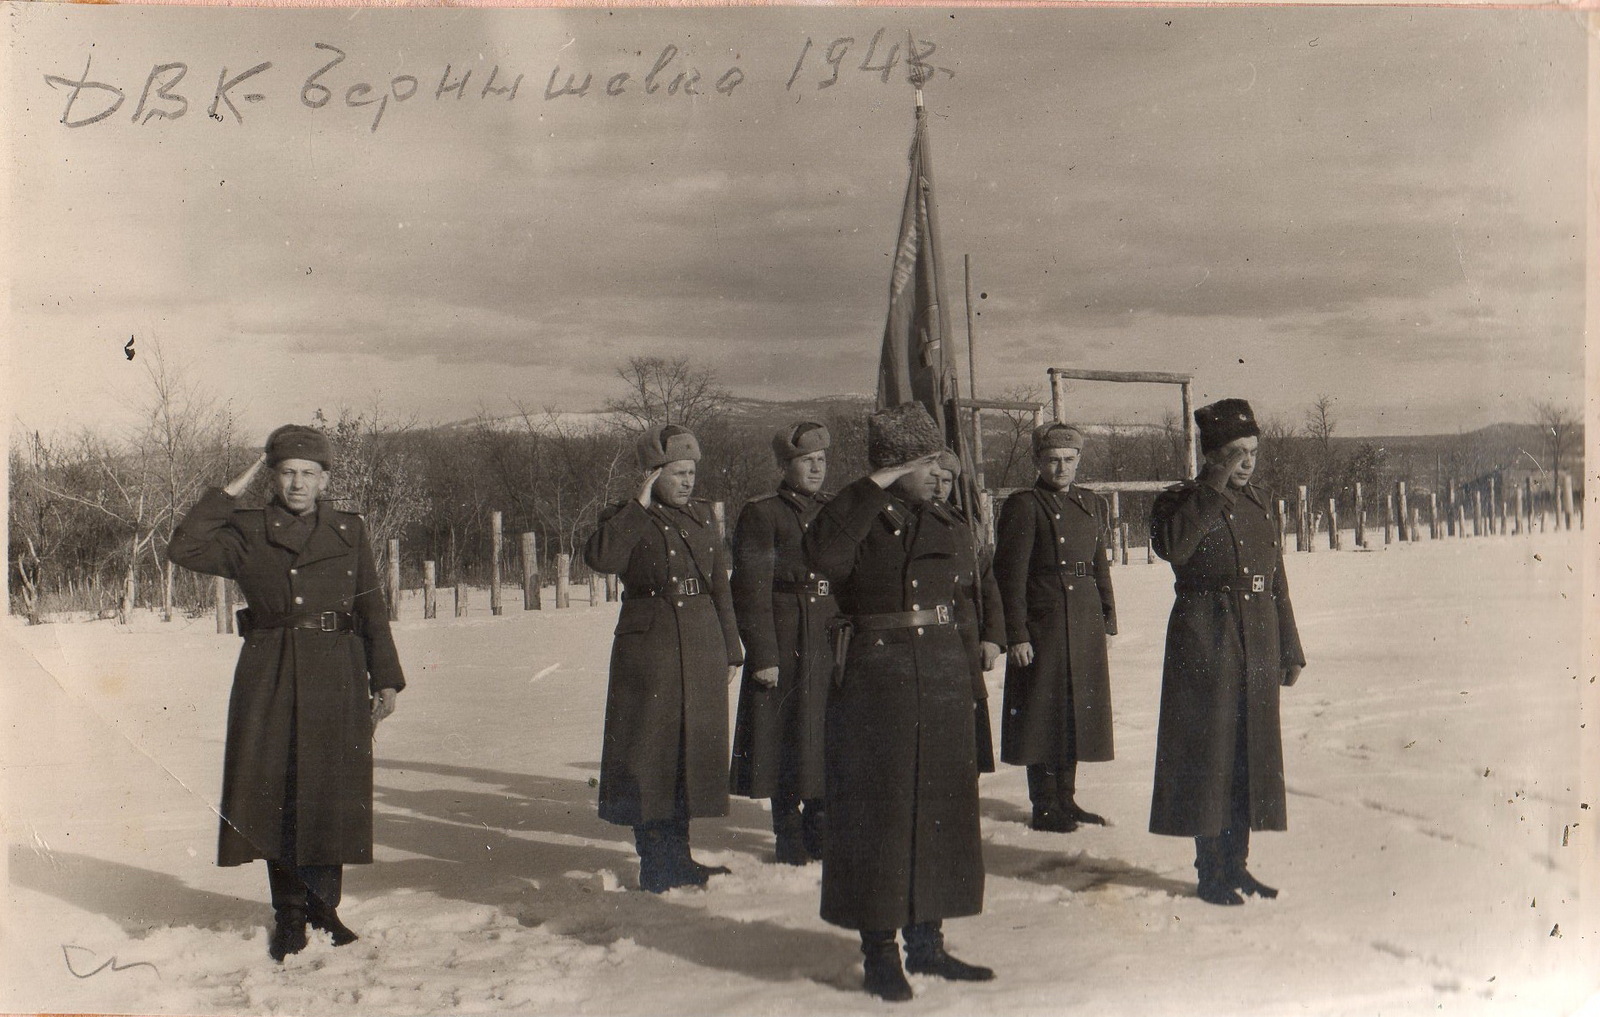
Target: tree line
pixel 91 512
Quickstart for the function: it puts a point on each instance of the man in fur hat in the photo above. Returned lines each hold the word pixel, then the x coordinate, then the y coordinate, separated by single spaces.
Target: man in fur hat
pixel 1052 562
pixel 665 754
pixel 784 608
pixel 1231 644
pixel 903 848
pixel 317 672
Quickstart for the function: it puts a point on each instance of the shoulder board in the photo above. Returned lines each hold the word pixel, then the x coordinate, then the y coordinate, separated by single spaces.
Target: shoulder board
pixel 822 497
pixel 765 497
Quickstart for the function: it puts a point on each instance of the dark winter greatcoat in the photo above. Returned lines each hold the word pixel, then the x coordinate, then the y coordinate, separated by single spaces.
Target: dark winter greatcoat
pixel 316 685
pixel 777 740
pixel 668 697
pixel 903 841
pixel 982 620
pixel 1231 635
pixel 1052 562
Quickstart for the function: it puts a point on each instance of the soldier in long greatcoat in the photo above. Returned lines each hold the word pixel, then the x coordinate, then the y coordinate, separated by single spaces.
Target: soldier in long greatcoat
pixel 1231 644
pixel 1052 562
pixel 784 608
pixel 317 672
pixel 665 755
pixel 903 848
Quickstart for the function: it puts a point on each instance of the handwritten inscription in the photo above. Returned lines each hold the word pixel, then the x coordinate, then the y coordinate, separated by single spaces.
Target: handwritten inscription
pixel 106 965
pixel 326 81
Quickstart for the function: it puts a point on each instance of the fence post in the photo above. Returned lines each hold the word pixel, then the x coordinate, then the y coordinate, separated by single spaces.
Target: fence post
pixel 611 587
pixel 392 580
pixel 1302 535
pixel 1388 518
pixel 1402 520
pixel 1361 518
pixel 530 572
pixel 1311 531
pixel 563 566
pixel 1566 499
pixel 1283 523
pixel 1433 515
pixel 1461 521
pixel 166 591
pixel 496 548
pixel 594 589
pixel 1527 501
pixel 719 512
pixel 1122 539
pixel 430 591
pixel 1333 525
pixel 1412 520
pixel 219 595
pixel 1477 513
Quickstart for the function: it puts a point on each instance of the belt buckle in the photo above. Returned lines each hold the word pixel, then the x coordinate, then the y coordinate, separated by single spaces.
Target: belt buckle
pixel 328 621
pixel 1258 583
pixel 822 588
pixel 942 613
pixel 689 587
pixel 1079 568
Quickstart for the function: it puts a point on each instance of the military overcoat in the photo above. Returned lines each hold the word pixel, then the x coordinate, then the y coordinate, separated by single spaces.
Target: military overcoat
pixel 777 739
pixel 1052 564
pixel 1229 638
pixel 903 841
pixel 668 694
pixel 300 691
pixel 982 620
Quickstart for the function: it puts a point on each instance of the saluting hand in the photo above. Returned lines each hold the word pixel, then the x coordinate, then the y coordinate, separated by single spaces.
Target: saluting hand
pixel 239 484
pixel 889 474
pixel 1022 654
pixel 766 677
pixel 382 706
pixel 1219 467
pixel 647 490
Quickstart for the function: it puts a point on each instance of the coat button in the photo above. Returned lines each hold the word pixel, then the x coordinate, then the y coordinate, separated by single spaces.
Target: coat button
pixel 1069 587
pixel 919 631
pixel 680 603
pixel 1247 596
pixel 916 607
pixel 349 572
pixel 913 584
pixel 294 572
pixel 1061 540
pixel 672 552
pixel 299 600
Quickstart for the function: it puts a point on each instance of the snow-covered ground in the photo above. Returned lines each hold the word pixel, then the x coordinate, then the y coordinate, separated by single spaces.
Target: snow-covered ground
pixel 1438 830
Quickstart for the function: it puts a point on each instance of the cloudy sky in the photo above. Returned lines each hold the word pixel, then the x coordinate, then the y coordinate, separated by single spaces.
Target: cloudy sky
pixel 1383 205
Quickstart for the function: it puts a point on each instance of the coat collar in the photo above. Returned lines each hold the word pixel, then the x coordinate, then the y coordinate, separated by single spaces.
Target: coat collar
pixel 329 535
pixel 1073 495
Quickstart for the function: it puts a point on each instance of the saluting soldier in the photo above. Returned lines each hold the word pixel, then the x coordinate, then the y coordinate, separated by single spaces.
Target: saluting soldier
pixel 979 615
pixel 317 672
pixel 664 759
pixel 903 848
pixel 1052 562
pixel 1231 644
pixel 784 608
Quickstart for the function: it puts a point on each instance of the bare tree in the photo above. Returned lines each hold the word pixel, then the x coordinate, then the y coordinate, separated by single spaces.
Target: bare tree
pixel 667 391
pixel 1320 424
pixel 1559 424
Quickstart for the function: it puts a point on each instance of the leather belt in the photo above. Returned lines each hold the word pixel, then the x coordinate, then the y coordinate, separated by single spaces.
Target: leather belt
pixel 319 621
pixel 1071 568
pixel 820 587
pixel 1244 584
pixel 680 588
pixel 939 614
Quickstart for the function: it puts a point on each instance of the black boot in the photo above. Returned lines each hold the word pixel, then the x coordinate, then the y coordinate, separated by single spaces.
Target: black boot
pixel 925 955
pixel 882 975
pixel 787 827
pixel 655 858
pixel 288 933
pixel 1076 814
pixel 1211 864
pixel 1047 814
pixel 1236 849
pixel 687 871
pixel 1246 883
pixel 327 920
pixel 814 831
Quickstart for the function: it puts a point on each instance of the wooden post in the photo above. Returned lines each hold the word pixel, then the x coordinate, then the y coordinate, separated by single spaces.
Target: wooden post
pixel 1302 517
pixel 977 448
pixel 1058 396
pixel 1461 521
pixel 563 567
pixel 1283 523
pixel 496 552
pixel 1311 531
pixel 1477 512
pixel 611 588
pixel 461 598
pixel 594 589
pixel 1038 416
pixel 1149 551
pixel 1116 512
pixel 1412 518
pixel 530 572
pixel 1388 518
pixel 719 512
pixel 392 580
pixel 219 596
pixel 430 592
pixel 1333 525
pixel 1516 527
pixel 1403 519
pixel 1361 518
pixel 1566 499
pixel 1122 538
pixel 1433 515
pixel 166 591
pixel 1527 490
pixel 1500 504
pixel 1191 450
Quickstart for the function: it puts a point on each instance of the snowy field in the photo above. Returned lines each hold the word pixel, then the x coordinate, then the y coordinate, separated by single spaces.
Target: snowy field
pixel 1438 830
